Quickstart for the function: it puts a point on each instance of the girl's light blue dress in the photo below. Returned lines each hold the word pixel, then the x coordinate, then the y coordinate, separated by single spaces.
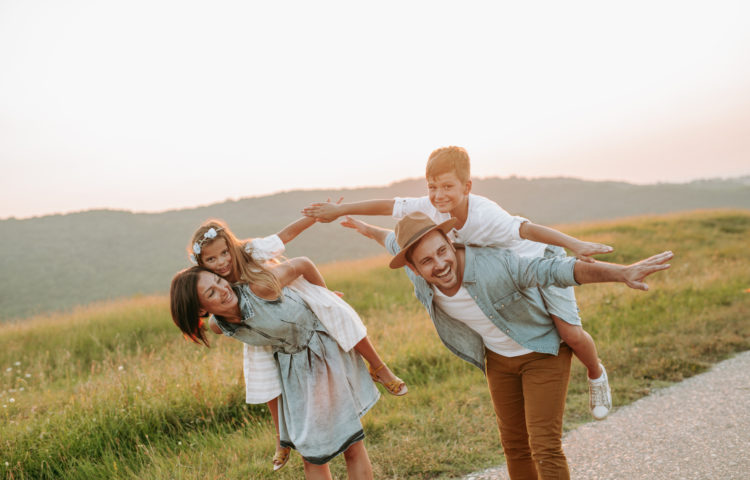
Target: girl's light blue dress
pixel 325 391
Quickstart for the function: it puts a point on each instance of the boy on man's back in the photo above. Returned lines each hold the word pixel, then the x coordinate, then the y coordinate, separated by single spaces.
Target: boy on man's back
pixel 481 221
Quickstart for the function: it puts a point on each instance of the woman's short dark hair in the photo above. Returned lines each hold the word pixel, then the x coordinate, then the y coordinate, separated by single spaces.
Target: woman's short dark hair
pixel 185 305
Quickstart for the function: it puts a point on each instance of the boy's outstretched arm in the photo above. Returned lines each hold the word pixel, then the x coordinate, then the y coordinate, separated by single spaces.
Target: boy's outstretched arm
pixel 370 231
pixel 327 212
pixel 631 275
pixel 582 250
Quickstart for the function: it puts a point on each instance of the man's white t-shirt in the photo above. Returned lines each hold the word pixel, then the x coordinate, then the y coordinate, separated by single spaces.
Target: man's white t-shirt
pixel 462 307
pixel 487 224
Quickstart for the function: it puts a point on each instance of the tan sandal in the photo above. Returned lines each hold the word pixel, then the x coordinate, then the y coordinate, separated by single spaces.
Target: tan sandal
pixel 395 387
pixel 280 457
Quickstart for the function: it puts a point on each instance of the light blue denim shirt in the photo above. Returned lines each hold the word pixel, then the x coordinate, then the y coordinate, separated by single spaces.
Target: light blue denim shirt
pixel 504 287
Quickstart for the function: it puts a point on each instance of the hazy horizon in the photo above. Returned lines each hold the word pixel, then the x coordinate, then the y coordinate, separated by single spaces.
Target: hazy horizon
pixel 357 187
pixel 162 105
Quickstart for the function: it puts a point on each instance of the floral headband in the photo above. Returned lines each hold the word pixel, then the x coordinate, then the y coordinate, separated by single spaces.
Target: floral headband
pixel 208 236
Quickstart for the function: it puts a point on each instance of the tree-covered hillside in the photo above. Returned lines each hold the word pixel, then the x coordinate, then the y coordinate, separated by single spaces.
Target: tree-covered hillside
pixel 55 262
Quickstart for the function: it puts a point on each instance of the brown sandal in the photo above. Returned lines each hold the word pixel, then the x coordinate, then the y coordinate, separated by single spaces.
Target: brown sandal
pixel 395 387
pixel 280 457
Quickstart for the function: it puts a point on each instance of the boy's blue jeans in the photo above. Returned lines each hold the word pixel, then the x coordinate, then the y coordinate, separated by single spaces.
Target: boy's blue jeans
pixel 528 394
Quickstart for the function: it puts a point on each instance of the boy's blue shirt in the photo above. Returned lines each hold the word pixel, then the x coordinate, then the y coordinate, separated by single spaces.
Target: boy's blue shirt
pixel 504 287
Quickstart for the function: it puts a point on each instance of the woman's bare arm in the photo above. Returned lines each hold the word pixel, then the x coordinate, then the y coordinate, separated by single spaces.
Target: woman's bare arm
pixel 288 271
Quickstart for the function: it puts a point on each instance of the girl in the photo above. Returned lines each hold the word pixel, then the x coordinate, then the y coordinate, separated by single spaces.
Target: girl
pixel 325 390
pixel 216 248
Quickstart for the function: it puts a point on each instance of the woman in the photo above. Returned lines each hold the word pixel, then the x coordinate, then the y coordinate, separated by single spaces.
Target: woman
pixel 325 391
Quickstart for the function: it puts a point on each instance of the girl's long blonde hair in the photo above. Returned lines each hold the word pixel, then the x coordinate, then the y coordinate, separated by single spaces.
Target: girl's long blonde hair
pixel 244 268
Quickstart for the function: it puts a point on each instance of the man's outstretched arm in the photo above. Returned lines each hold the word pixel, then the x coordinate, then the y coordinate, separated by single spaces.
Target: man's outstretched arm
pixel 631 275
pixel 378 234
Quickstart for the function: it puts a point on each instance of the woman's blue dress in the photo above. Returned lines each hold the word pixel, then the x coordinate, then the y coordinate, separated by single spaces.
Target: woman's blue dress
pixel 325 391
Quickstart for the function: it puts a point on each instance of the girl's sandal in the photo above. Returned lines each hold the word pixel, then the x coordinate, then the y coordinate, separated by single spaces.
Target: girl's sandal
pixel 395 387
pixel 281 457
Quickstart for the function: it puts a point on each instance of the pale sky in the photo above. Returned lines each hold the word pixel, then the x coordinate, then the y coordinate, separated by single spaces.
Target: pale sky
pixel 158 104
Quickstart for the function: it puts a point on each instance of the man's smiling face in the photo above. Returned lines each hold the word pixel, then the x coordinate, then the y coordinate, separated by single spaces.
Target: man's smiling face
pixel 434 259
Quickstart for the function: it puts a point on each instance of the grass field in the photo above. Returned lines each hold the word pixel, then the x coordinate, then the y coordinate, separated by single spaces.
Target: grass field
pixel 112 391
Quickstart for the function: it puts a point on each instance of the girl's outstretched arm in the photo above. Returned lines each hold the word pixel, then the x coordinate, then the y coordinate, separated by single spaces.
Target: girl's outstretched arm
pixel 288 233
pixel 288 271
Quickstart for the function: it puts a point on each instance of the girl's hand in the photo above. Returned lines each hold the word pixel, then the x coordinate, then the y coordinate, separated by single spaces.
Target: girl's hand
pixel 584 250
pixel 340 294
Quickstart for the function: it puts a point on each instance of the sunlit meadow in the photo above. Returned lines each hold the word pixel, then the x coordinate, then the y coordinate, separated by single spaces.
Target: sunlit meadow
pixel 113 391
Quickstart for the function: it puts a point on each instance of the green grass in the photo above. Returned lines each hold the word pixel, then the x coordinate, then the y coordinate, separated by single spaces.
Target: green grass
pixel 113 391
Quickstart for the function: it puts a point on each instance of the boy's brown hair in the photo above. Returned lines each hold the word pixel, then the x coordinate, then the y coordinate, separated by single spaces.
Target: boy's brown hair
pixel 447 160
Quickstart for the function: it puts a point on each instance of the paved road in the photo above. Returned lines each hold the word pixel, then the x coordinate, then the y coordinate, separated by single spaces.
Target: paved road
pixel 698 429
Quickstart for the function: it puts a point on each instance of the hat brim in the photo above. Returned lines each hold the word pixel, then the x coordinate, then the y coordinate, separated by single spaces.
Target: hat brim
pixel 399 260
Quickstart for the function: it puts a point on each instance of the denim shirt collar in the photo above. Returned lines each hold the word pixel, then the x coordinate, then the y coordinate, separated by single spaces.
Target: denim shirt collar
pixel 246 306
pixel 470 272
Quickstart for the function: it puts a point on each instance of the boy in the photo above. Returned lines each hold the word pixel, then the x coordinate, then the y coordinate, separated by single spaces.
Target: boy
pixel 480 221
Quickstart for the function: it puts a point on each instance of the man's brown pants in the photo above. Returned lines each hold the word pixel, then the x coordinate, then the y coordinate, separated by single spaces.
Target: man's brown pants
pixel 528 393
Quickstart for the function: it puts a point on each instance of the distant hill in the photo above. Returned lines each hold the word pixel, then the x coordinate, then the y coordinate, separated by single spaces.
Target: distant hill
pixel 55 262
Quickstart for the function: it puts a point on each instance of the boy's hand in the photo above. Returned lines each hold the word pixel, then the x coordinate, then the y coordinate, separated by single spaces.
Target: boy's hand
pixel 584 250
pixel 324 212
pixel 635 273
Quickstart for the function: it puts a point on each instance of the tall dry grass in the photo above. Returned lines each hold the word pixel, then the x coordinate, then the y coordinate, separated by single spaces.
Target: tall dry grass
pixel 112 391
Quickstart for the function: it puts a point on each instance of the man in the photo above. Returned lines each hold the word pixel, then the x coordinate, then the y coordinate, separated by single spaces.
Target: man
pixel 487 310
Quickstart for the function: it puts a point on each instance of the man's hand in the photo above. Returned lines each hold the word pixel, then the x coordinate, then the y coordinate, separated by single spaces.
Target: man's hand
pixel 635 273
pixel 357 225
pixel 584 250
pixel 370 231
pixel 324 212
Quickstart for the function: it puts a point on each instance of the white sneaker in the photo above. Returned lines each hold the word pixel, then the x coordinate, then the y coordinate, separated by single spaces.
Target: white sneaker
pixel 600 397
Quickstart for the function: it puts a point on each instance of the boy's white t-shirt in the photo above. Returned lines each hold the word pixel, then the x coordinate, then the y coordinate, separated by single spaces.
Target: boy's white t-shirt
pixel 487 224
pixel 462 306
